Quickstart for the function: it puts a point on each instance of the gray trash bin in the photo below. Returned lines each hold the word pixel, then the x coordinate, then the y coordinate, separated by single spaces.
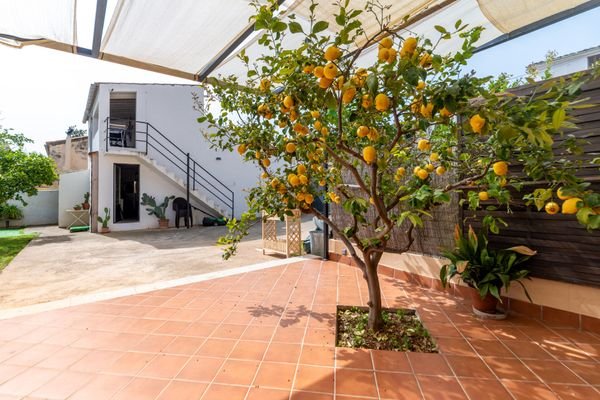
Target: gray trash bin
pixel 317 247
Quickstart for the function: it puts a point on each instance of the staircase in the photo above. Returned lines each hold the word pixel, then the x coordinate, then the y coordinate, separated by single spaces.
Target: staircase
pixel 204 191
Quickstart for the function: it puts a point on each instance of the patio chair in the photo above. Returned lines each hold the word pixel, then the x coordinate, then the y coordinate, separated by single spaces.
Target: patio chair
pixel 183 210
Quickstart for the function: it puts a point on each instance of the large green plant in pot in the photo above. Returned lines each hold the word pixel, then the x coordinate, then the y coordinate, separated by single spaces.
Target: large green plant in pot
pixel 484 269
pixel 158 210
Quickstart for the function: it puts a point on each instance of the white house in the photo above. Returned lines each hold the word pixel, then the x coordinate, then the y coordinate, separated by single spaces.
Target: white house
pixel 570 63
pixel 145 138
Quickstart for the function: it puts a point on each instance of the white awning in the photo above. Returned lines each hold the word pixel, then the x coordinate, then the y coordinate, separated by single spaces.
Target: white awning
pixel 188 38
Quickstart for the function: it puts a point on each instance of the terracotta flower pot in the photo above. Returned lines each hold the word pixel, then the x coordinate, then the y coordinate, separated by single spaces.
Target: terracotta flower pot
pixel 104 230
pixel 86 206
pixel 486 305
pixel 163 223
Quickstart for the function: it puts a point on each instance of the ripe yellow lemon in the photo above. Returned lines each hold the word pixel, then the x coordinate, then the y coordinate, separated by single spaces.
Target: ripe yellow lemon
pixel 294 180
pixel 422 174
pixel 332 53
pixel 373 134
pixel 382 54
pixel 308 198
pixel 441 170
pixel 288 102
pixel 408 47
pixel 322 182
pixel 324 83
pixel 434 156
pixel 330 71
pixel 484 196
pixel 569 206
pixel 391 56
pixel 274 183
pixel 500 168
pixel 324 131
pixel 318 71
pixel 427 110
pixel 551 208
pixel 266 162
pixel 293 115
pixel 386 42
pixel 445 113
pixel 301 169
pixel 420 85
pixel 477 123
pixel 308 69
pixel 242 149
pixel 367 102
pixel 318 125
pixel 362 131
pixel 382 102
pixel 401 171
pixel 265 84
pixel 348 95
pixel 303 179
pixel 425 60
pixel 369 154
pixel 315 114
pixel 429 167
pixel 423 145
pixel 290 147
pixel 257 155
pixel 561 195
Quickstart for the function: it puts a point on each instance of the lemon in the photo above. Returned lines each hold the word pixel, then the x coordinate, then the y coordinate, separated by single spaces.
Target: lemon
pixel 401 171
pixel 427 110
pixel 348 95
pixel 484 196
pixel 477 123
pixel 362 131
pixel 300 129
pixel 318 125
pixel 290 147
pixel 429 167
pixel 391 56
pixel 551 208
pixel 274 183
pixel 369 154
pixel 294 180
pixel 308 69
pixel 303 179
pixel 500 168
pixel 266 162
pixel 382 54
pixel 382 102
pixel 420 85
pixel 282 123
pixel 293 115
pixel 257 155
pixel 330 71
pixel 301 169
pixel 318 71
pixel 366 101
pixel 288 102
pixel 339 83
pixel 332 53
pixel 569 206
pixel 408 47
pixel 265 84
pixel 434 156
pixel 425 60
pixel 422 174
pixel 242 149
pixel 423 145
pixel 308 198
pixel 324 131
pixel 561 195
pixel 322 182
pixel 445 113
pixel 416 169
pixel 315 114
pixel 441 170
pixel 386 42
pixel 373 134
pixel 324 83
pixel 300 196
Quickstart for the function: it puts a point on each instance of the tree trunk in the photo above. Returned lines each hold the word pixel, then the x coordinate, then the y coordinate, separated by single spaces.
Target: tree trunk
pixel 375 318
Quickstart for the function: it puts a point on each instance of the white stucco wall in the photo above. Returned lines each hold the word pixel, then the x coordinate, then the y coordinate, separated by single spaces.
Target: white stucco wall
pixel 72 187
pixel 151 181
pixel 41 209
pixel 169 108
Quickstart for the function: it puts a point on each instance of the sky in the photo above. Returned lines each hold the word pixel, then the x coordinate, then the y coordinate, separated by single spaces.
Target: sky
pixel 43 91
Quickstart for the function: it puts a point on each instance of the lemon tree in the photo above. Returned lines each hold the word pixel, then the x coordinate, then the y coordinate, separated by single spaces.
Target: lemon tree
pixel 386 128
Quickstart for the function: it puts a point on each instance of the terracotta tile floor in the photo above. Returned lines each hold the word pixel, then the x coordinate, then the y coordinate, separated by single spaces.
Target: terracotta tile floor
pixel 269 334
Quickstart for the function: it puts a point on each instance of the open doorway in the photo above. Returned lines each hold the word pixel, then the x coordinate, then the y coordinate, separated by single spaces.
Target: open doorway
pixel 122 125
pixel 127 198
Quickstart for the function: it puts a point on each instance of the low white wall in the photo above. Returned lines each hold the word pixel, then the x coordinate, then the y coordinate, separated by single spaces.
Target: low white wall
pixel 72 186
pixel 41 209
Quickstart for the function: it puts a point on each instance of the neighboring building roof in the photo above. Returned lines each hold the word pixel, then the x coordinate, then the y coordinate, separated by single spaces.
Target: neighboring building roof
pixel 62 141
pixel 93 92
pixel 566 57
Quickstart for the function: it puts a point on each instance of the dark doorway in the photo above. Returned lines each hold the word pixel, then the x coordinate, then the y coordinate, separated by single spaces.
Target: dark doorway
pixel 122 119
pixel 127 197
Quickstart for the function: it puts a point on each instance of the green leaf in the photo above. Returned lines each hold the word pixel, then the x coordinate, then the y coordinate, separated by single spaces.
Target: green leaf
pixel 320 26
pixel 295 27
pixel 558 118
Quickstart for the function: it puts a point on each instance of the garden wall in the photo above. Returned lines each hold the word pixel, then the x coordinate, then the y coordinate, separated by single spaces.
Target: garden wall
pixel 72 187
pixel 41 209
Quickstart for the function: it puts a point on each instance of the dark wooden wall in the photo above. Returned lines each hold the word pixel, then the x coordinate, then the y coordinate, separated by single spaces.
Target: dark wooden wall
pixel 566 250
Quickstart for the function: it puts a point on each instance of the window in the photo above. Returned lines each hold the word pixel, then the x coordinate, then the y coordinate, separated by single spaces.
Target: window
pixel 593 60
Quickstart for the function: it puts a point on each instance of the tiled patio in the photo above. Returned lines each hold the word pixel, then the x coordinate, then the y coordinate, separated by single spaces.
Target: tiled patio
pixel 269 334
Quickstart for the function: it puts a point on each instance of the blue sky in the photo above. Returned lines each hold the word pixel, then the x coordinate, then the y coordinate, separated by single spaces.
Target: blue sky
pixel 44 91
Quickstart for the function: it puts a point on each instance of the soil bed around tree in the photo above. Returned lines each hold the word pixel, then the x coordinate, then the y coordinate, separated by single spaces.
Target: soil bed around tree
pixel 402 331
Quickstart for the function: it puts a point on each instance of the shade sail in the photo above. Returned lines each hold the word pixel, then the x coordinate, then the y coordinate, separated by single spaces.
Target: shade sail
pixel 191 38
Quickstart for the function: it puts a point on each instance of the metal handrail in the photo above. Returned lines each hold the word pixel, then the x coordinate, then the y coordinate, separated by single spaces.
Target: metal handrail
pixel 185 164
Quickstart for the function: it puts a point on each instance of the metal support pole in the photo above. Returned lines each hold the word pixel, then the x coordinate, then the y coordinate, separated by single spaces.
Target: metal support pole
pixel 187 225
pixel 107 136
pixel 325 225
pixel 194 176
pixel 146 138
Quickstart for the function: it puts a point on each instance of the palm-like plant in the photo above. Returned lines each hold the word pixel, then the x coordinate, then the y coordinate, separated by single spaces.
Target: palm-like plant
pixel 484 269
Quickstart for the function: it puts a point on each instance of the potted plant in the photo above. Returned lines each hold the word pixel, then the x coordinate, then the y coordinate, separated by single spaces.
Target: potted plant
pixel 158 210
pixel 86 201
pixel 10 212
pixel 104 221
pixel 77 207
pixel 485 270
